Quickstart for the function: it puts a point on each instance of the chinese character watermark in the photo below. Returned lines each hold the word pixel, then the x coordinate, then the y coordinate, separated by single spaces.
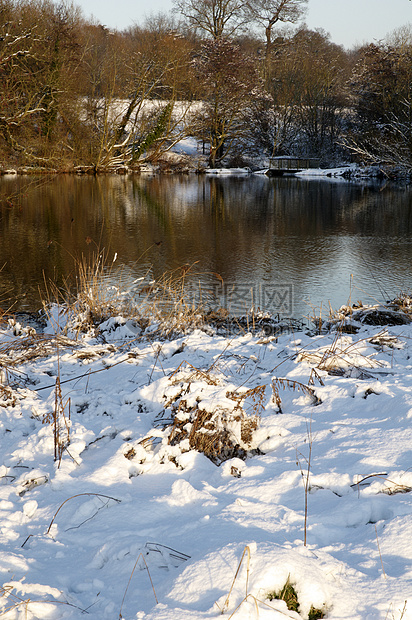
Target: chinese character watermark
pixel 240 299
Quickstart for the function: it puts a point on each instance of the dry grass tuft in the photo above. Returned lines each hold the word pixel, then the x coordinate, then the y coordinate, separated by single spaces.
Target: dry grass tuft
pixel 220 433
pixel 170 303
pixel 97 293
pixel 26 349
pixel 93 298
pixel 195 374
pixel 19 351
pixel 11 601
pixel 163 307
pixel 340 356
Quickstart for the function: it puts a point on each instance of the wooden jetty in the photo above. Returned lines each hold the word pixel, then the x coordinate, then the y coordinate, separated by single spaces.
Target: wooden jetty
pixel 290 165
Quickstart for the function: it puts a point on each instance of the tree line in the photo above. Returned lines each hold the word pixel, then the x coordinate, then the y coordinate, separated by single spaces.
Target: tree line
pixel 246 78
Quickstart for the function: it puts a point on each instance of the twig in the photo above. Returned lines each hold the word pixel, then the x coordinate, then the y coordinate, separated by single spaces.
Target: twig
pixel 28 537
pixel 307 480
pixel 86 374
pixel 130 578
pixel 403 610
pixel 256 601
pixel 79 495
pixel 176 554
pixel 245 550
pixel 157 357
pixel 357 484
pixel 76 527
pixel 380 555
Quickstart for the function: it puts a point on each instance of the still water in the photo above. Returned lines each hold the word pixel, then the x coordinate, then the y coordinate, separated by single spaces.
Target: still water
pixel 294 245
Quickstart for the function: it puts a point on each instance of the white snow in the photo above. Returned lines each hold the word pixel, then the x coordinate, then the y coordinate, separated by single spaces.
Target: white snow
pixel 134 525
pixel 228 171
pixel 325 172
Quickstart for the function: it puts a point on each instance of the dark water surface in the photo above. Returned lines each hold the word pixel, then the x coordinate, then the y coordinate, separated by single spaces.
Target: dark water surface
pixel 290 240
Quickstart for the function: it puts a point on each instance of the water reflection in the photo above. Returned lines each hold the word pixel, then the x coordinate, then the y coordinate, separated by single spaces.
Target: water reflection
pixel 311 234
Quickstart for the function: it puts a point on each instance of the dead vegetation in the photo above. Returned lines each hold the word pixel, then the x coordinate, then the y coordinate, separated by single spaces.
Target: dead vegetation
pixel 287 594
pixel 59 419
pixel 7 396
pixel 162 307
pixel 256 322
pixel 279 383
pixel 342 356
pixel 173 304
pixel 385 485
pixel 88 298
pixel 345 355
pixel 26 349
pixel 349 318
pixel 219 433
pixel 18 351
pixel 12 604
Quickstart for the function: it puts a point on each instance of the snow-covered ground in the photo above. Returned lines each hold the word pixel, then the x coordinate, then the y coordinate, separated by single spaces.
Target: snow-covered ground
pixel 325 172
pixel 134 522
pixel 228 171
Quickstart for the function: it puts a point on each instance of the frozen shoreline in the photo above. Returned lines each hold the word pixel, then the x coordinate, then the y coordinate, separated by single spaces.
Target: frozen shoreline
pixel 130 481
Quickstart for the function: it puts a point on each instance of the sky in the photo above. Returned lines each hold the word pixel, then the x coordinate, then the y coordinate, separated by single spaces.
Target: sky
pixel 349 22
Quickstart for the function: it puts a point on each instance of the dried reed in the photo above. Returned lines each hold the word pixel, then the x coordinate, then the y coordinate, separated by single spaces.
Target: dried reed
pixel 130 579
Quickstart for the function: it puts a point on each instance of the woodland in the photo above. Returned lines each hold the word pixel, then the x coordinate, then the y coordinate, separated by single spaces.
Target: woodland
pixel 246 79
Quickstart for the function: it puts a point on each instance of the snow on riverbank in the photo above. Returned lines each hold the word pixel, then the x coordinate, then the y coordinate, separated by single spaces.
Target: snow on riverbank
pixel 133 493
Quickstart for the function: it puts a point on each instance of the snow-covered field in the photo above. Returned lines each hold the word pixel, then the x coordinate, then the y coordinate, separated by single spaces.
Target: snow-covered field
pixel 134 522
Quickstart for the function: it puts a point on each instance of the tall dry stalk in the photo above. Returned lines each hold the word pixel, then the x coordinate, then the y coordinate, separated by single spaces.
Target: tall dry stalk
pixel 246 552
pixel 379 551
pixel 59 421
pixel 305 473
pixel 130 579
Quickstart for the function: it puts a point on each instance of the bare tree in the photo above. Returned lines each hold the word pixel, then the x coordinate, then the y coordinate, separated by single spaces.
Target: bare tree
pixel 309 107
pixel 133 88
pixel 216 18
pixel 268 13
pixel 18 102
pixel 38 56
pixel 318 88
pixel 381 87
pixel 231 85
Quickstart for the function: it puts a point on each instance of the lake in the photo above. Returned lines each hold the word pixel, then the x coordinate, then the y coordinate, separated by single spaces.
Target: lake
pixel 292 246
